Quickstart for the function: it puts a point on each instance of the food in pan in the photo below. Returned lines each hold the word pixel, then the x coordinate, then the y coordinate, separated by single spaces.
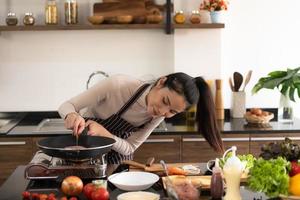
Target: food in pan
pixel 76 147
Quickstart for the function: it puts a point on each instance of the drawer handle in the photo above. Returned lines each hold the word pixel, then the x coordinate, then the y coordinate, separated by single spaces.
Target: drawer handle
pixel 12 143
pixel 223 139
pixel 272 138
pixel 193 140
pixel 159 140
pixel 235 139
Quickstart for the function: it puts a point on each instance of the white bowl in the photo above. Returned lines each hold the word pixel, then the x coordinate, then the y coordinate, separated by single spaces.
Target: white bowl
pixel 138 196
pixel 133 181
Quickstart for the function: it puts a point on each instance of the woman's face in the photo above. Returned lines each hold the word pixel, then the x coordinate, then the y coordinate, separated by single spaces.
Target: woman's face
pixel 163 102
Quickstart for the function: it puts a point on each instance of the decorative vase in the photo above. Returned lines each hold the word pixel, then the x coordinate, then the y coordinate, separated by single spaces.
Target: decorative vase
pixel 216 17
pixel 285 112
pixel 205 16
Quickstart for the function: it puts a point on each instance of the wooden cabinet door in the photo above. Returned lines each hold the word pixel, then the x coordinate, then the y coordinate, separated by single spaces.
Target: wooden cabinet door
pixel 258 140
pixel 197 149
pixel 161 148
pixel 14 151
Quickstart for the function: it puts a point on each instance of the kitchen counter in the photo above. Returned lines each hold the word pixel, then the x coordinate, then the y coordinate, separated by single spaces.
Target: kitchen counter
pixel 16 184
pixel 35 124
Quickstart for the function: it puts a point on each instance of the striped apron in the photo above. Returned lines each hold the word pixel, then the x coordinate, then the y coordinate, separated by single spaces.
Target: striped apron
pixel 116 125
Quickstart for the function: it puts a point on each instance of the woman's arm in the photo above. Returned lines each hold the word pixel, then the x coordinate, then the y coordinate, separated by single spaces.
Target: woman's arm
pixel 129 145
pixel 87 98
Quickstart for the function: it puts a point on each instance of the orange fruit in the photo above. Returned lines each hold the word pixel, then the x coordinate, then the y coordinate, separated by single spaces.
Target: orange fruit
pixel 294 187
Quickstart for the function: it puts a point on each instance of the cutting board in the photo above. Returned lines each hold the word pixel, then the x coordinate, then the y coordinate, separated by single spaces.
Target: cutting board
pixel 113 9
pixel 156 167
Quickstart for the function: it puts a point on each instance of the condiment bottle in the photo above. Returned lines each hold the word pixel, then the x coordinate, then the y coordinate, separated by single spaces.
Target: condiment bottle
pixel 11 19
pixel 51 12
pixel 195 17
pixel 232 171
pixel 216 186
pixel 179 17
pixel 28 19
pixel 71 12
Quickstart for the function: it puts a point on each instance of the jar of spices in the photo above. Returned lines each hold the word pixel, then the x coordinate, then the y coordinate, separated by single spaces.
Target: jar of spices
pixel 51 12
pixel 28 19
pixel 179 17
pixel 11 19
pixel 71 12
pixel 195 17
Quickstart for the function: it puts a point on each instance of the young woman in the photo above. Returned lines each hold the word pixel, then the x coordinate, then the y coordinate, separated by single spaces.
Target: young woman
pixel 127 110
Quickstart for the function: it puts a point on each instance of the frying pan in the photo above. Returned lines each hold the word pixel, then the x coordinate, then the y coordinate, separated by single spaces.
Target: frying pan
pixel 94 146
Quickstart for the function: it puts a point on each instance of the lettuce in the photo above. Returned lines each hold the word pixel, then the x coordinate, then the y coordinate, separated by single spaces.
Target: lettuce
pixel 270 176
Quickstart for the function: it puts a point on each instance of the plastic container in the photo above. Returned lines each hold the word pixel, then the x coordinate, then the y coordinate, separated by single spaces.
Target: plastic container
pixel 232 171
pixel 216 186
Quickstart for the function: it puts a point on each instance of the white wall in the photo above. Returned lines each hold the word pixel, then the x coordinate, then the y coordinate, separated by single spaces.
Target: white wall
pixel 262 36
pixel 39 70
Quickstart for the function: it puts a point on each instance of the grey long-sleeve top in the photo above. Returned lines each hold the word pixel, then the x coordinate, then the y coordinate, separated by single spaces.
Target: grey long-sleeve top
pixel 106 98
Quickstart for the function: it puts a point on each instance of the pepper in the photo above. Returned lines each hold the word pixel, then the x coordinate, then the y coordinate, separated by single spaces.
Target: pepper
pixel 295 168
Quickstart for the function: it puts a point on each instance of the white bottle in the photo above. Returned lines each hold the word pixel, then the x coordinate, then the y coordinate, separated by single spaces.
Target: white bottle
pixel 232 172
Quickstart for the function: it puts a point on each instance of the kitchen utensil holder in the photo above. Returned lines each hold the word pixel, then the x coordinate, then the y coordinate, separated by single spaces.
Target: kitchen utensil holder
pixel 238 104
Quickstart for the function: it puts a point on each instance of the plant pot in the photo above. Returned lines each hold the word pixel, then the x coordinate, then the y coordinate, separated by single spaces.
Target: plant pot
pixel 216 17
pixel 285 112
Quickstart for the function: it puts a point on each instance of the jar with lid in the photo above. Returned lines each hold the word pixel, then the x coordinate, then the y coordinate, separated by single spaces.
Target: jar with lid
pixel 11 19
pixel 51 12
pixel 71 12
pixel 179 17
pixel 195 17
pixel 28 19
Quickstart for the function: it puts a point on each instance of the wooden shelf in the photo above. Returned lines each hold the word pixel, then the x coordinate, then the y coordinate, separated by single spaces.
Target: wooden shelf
pixel 81 27
pixel 107 26
pixel 187 26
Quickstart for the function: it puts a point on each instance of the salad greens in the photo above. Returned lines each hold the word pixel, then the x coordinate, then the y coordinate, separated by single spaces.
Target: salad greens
pixel 248 159
pixel 270 176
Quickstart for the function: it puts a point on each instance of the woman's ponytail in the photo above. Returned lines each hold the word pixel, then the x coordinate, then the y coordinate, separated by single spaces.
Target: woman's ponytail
pixel 206 116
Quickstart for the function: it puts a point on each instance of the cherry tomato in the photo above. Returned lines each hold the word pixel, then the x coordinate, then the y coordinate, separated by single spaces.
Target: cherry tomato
pixel 100 194
pixel 63 198
pixel 35 196
pixel 73 198
pixel 26 195
pixel 88 189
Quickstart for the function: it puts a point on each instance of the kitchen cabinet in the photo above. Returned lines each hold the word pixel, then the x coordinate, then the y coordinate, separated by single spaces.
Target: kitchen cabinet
pixel 258 140
pixel 14 151
pixel 196 149
pixel 161 147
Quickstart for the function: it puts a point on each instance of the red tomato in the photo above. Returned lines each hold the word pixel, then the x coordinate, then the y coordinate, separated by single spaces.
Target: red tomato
pixel 72 185
pixel 63 198
pixel 100 194
pixel 26 195
pixel 88 189
pixel 35 196
pixel 73 198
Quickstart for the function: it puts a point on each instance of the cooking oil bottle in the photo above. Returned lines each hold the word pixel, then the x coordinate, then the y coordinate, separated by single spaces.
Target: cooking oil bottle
pixel 51 12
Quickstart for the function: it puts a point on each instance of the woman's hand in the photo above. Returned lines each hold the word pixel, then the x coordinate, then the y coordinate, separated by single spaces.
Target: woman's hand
pixel 96 129
pixel 76 122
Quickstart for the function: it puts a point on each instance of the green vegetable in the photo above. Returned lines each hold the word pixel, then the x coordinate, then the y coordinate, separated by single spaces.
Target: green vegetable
pixel 270 176
pixel 249 159
pixel 288 82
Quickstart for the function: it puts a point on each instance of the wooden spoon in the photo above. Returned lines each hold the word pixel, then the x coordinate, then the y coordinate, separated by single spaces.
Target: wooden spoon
pixel 231 84
pixel 238 81
pixel 248 77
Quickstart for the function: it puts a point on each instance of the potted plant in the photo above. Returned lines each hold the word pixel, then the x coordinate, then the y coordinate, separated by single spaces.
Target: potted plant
pixel 215 7
pixel 287 82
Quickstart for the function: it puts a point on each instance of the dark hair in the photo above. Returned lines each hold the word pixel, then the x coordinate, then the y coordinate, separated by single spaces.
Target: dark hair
pixel 197 91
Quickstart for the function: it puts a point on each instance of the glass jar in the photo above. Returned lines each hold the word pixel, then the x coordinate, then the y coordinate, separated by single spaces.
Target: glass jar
pixel 71 12
pixel 11 19
pixel 179 17
pixel 28 19
pixel 51 12
pixel 195 17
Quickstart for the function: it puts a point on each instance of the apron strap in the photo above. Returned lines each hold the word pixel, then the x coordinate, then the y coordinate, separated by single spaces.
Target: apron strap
pixel 132 99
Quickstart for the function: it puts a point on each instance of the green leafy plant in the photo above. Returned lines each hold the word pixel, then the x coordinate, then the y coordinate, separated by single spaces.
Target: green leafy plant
pixel 287 82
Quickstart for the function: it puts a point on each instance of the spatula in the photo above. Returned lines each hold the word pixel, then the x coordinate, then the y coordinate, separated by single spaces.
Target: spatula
pixel 238 81
pixel 247 79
